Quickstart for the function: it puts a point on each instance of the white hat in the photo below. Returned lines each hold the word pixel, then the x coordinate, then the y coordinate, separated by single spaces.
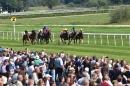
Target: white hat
pixel 47 75
pixel 87 69
pixel 71 68
pixel 65 29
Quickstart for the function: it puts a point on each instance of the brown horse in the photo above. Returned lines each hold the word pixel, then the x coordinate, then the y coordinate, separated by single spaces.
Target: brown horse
pixel 32 37
pixel 64 37
pixel 25 38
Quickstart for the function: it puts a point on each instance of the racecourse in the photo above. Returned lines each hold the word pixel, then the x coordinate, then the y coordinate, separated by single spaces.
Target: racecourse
pixel 89 23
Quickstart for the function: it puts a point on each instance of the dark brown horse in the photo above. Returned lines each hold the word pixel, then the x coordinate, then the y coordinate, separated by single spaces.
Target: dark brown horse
pixel 32 37
pixel 79 37
pixel 64 36
pixel 44 36
pixel 25 38
pixel 72 36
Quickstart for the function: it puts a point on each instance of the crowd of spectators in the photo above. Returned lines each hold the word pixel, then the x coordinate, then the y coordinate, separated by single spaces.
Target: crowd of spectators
pixel 26 68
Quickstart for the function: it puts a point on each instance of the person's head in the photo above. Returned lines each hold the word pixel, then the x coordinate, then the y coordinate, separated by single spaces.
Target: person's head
pixel 20 78
pixel 61 79
pixel 106 78
pixel 41 82
pixel 116 66
pixel 119 79
pixel 48 76
pixel 128 81
pixel 37 70
pixel 85 82
pixel 94 76
pixel 31 82
pixel 67 80
pixel 5 62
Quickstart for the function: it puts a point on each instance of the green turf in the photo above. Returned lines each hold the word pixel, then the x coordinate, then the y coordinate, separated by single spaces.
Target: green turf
pixel 62 20
pixel 113 51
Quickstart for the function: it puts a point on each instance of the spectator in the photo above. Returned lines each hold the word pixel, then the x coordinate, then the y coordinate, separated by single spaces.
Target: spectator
pixel 47 76
pixel 52 66
pixel 59 65
pixel 1 49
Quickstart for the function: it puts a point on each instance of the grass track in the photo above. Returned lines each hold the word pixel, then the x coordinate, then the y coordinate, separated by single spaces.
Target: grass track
pixel 112 51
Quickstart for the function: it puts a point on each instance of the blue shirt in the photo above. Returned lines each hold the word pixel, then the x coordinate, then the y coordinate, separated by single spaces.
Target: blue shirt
pixel 1 49
pixel 59 62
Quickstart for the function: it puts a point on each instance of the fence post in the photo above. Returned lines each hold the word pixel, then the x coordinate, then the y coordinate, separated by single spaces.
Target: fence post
pixel 7 35
pixel 94 39
pixel 114 39
pixel 11 35
pixel 107 40
pixel 88 39
pixel 121 40
pixel 101 39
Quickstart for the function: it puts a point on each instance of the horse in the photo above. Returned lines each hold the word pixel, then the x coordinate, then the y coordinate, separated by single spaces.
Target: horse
pixel 64 37
pixel 40 37
pixel 44 36
pixel 79 37
pixel 47 36
pixel 25 38
pixel 32 37
pixel 72 36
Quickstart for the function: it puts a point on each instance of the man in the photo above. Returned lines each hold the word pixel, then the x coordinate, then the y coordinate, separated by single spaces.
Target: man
pixel 73 30
pixel 52 66
pixel 59 65
pixel 47 76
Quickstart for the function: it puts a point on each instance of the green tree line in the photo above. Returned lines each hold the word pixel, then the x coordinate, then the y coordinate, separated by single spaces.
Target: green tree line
pixel 20 5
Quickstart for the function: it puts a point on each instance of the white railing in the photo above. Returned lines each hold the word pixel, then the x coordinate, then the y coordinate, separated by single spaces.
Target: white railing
pixel 96 38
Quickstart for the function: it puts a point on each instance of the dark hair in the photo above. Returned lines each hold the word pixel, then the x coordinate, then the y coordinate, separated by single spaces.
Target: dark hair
pixel 60 78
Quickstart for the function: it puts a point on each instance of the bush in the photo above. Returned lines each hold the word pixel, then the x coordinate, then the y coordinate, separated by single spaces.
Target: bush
pixel 120 14
pixel 71 4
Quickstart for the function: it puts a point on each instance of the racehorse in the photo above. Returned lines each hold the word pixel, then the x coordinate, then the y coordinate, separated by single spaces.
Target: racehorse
pixel 32 37
pixel 40 37
pixel 72 36
pixel 25 37
pixel 64 37
pixel 47 36
pixel 79 37
pixel 44 36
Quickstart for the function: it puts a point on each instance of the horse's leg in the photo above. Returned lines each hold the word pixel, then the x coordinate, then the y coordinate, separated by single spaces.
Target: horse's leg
pixel 50 39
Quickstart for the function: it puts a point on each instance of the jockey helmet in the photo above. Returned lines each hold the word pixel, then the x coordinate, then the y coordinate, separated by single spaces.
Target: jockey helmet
pixel 65 29
pixel 81 29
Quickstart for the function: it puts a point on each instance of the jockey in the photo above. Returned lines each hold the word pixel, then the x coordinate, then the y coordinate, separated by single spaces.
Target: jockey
pixel 62 31
pixel 26 32
pixel 65 30
pixel 81 31
pixel 73 30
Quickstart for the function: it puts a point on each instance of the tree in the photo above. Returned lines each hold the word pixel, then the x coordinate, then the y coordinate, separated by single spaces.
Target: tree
pixel 50 3
pixel 120 14
pixel 14 5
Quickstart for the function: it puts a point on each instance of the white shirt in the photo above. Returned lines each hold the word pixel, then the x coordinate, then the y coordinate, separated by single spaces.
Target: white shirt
pixel 47 83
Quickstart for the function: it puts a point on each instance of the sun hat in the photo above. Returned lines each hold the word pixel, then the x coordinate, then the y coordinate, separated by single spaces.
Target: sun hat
pixel 86 69
pixel 47 75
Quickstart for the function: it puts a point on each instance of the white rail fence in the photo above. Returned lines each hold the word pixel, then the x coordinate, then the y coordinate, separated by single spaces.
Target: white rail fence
pixel 96 38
